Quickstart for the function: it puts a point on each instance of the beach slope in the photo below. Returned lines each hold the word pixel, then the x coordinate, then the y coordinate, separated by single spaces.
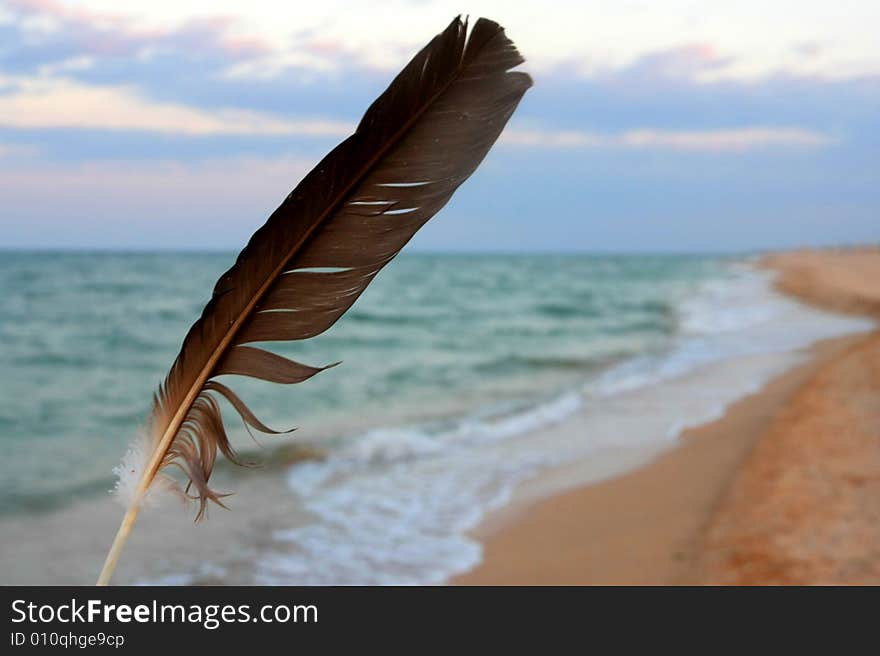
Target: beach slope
pixel 805 507
pixel 785 488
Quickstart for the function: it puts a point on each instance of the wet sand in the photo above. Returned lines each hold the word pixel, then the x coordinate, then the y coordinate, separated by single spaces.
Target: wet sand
pixel 785 488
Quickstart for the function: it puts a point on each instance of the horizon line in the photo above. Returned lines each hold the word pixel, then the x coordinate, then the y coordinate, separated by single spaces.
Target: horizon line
pixel 111 250
pixel 756 250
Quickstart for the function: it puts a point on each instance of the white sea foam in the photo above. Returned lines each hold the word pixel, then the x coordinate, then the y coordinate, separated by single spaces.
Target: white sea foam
pixel 394 505
pixel 736 316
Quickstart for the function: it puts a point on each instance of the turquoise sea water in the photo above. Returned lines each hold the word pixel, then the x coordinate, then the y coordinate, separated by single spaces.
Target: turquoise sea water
pixel 465 381
pixel 86 338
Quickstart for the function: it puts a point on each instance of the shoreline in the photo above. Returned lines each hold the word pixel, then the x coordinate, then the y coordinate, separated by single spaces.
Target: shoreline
pixel 640 527
pixel 692 514
pixel 626 489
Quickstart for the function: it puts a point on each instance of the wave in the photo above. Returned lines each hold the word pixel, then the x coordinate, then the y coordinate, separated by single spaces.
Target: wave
pixel 582 365
pixel 736 316
pixel 565 310
pixel 394 504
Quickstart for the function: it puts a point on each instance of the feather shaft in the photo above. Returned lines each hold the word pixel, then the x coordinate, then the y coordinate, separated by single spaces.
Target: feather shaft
pixel 352 214
pixel 119 541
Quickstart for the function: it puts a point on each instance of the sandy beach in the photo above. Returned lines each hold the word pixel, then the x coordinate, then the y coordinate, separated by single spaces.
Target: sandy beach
pixel 783 489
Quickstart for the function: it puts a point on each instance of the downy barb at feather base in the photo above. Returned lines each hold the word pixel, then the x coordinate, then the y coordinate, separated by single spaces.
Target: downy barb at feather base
pixel 320 249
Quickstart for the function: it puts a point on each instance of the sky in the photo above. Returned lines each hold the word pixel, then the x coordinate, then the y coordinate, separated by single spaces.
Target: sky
pixel 674 125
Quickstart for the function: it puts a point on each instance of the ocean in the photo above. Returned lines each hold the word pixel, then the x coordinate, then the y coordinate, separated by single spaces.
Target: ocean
pixel 462 377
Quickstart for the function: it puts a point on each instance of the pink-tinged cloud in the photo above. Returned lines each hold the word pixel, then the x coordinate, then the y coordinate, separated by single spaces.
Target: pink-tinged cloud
pixel 114 35
pixel 67 104
pixel 684 62
pixel 325 46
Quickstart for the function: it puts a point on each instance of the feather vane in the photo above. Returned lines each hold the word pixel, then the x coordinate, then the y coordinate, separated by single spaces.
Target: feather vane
pixel 306 266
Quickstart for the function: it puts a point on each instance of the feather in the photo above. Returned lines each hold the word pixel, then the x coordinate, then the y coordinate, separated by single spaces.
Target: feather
pixel 325 243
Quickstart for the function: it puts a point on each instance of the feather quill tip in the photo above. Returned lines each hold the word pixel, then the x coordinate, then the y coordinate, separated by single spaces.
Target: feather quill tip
pixel 130 471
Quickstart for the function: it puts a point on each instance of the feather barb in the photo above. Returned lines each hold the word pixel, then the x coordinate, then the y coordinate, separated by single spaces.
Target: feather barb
pixel 314 256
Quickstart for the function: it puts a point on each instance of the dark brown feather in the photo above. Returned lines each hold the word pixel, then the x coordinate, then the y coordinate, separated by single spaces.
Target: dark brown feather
pixel 352 214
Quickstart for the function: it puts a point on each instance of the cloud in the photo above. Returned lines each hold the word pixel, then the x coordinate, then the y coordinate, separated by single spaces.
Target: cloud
pixel 142 180
pixel 51 103
pixel 45 33
pixel 808 49
pixel 264 37
pixel 10 151
pixel 692 61
pixel 60 103
pixel 729 140
pixel 741 139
